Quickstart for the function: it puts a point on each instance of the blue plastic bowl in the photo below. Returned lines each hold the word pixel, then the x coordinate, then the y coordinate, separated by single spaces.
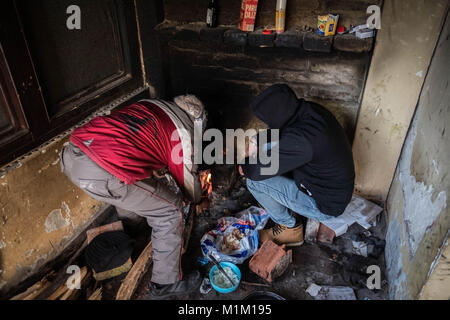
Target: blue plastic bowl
pixel 223 265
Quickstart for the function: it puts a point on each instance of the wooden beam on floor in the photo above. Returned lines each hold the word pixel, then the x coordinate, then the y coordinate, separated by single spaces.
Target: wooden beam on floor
pixel 140 267
pixel 187 231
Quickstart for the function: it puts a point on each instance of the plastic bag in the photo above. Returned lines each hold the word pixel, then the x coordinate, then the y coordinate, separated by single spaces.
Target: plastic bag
pixel 247 222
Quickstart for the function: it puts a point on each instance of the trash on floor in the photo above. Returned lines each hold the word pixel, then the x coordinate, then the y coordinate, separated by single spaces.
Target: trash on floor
pixel 270 261
pixel 235 238
pixel 360 211
pixel 331 293
pixel 313 289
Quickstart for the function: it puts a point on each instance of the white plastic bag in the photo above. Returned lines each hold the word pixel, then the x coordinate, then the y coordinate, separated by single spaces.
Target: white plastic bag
pixel 248 222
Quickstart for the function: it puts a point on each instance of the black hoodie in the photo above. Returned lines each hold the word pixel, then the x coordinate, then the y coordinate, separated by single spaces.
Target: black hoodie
pixel 313 148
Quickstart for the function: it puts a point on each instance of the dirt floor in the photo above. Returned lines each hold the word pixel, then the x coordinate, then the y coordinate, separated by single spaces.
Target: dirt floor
pixel 324 265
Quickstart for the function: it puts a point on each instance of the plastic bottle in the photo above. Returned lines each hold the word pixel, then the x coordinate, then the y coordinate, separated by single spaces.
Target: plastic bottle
pixel 211 14
pixel 280 16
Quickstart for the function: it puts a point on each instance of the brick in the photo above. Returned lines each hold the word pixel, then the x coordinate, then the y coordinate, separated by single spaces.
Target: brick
pixel 258 39
pixel 325 234
pixel 289 39
pixel 235 37
pixel 314 42
pixel 312 228
pixel 270 261
pixel 187 35
pixel 350 43
pixel 212 35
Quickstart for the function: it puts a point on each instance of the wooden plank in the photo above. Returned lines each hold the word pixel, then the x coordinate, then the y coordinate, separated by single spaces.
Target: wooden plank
pixel 72 294
pixel 33 291
pixel 96 295
pixel 62 276
pixel 135 274
pixel 58 292
pixel 64 293
pixel 92 233
pixel 188 228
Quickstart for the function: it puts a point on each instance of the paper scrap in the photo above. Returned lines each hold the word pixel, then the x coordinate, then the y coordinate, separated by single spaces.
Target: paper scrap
pixel 359 210
pixel 313 289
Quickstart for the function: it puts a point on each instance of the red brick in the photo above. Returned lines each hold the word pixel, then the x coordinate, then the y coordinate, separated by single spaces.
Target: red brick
pixel 270 261
pixel 325 234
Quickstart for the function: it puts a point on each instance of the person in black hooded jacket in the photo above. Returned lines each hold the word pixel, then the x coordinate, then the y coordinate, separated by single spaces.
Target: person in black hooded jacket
pixel 315 176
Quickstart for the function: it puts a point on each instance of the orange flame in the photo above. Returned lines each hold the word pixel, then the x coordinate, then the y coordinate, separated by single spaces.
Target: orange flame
pixel 205 180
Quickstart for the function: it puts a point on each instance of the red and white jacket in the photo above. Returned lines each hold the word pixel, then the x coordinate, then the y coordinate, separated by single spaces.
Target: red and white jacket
pixel 133 141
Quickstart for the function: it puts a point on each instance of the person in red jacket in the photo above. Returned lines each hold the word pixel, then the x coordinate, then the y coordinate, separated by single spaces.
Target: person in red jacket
pixel 116 159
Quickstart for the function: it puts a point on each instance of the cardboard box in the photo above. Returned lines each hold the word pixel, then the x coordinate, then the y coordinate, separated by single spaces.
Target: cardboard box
pixel 248 15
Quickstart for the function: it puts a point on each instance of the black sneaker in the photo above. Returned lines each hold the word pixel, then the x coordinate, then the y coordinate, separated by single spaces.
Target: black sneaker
pixel 189 284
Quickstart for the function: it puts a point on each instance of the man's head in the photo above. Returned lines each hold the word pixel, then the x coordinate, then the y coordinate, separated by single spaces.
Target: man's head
pixel 191 104
pixel 275 106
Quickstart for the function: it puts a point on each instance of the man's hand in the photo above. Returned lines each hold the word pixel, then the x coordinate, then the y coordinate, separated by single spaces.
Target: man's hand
pixel 241 172
pixel 160 173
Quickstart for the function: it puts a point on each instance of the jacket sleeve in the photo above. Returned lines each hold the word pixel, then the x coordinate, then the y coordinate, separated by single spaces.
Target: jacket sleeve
pixel 293 149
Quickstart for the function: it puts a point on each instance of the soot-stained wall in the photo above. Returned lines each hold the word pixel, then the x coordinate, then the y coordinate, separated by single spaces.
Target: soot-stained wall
pixel 226 68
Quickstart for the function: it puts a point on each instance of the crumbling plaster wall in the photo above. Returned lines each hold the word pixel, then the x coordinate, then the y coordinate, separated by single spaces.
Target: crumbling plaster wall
pixel 41 210
pixel 418 201
pixel 402 54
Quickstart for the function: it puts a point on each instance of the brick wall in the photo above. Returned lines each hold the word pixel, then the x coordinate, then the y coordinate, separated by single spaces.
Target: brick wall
pixel 226 67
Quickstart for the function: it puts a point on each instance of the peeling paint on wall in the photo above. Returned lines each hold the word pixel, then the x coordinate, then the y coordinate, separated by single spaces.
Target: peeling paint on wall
pixel 417 209
pixel 394 259
pixel 420 211
pixel 55 221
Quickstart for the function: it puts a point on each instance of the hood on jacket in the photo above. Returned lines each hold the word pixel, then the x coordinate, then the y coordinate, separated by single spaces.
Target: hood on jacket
pixel 275 106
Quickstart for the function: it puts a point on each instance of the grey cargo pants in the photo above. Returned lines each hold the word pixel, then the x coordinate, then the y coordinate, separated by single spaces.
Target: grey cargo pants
pixel 148 198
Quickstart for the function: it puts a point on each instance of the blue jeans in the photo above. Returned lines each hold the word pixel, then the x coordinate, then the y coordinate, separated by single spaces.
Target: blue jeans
pixel 279 194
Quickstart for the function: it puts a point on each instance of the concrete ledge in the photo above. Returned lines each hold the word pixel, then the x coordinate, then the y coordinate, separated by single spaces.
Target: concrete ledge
pixel 314 42
pixel 350 43
pixel 258 39
pixel 235 37
pixel 232 37
pixel 289 39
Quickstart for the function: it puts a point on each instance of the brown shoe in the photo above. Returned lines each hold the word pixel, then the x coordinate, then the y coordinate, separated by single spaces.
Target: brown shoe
pixel 283 235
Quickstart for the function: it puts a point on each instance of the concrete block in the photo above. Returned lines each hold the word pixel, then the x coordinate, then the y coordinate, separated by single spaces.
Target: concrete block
pixel 270 261
pixel 212 35
pixel 187 35
pixel 289 39
pixel 258 39
pixel 325 234
pixel 312 228
pixel 235 37
pixel 314 42
pixel 350 43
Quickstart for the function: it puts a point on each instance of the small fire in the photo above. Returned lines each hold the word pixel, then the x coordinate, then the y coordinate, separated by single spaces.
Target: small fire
pixel 206 182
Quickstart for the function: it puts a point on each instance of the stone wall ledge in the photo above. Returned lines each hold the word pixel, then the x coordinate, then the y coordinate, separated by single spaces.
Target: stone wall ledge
pixel 230 36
